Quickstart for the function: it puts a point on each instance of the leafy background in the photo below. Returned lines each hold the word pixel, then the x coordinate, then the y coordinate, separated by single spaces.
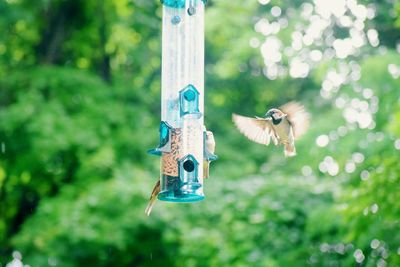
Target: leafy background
pixel 80 105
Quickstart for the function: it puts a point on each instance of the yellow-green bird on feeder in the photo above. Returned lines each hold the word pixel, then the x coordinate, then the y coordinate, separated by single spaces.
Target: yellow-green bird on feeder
pixel 282 125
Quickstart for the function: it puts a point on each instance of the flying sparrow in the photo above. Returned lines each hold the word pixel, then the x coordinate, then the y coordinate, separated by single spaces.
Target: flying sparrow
pixel 282 125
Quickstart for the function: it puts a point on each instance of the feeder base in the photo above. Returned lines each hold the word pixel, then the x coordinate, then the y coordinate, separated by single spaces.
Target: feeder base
pixel 172 196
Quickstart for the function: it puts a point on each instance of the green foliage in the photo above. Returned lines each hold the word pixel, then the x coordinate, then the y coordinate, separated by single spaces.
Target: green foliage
pixel 79 107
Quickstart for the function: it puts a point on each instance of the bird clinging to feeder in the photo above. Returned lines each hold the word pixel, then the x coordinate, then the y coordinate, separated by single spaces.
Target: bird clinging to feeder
pixel 182 133
pixel 282 126
pixel 209 150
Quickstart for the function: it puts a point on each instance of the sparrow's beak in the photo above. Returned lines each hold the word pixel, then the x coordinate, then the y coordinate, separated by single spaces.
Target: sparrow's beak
pixel 268 116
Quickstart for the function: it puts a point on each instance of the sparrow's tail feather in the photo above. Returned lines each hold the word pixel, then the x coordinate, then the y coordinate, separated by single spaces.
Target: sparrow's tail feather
pixel 290 150
pixel 206 169
pixel 150 206
pixel 153 198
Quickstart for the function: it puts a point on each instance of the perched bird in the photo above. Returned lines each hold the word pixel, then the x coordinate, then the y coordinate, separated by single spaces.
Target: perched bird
pixel 282 125
pixel 210 149
pixel 153 198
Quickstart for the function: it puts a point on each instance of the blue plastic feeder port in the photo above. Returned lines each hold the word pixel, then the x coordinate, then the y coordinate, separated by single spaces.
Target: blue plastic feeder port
pixel 188 171
pixel 165 137
pixel 174 3
pixel 178 3
pixel 189 101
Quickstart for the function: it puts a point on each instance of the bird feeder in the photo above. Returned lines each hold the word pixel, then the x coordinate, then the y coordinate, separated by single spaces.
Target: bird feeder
pixel 182 131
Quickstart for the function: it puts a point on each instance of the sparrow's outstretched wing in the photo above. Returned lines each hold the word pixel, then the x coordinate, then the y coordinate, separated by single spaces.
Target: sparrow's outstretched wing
pixel 297 116
pixel 256 129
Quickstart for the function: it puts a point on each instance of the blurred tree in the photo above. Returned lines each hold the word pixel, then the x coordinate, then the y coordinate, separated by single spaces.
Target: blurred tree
pixel 79 106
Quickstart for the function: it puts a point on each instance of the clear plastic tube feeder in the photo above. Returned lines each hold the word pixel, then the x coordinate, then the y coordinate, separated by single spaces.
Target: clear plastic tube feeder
pixel 182 102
